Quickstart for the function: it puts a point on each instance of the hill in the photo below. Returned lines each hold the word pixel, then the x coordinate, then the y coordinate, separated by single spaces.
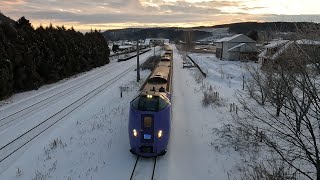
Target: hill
pixel 174 34
pixel 246 27
pixel 205 32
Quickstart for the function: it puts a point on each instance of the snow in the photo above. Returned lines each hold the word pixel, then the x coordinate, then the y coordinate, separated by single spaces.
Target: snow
pixel 243 47
pixel 281 50
pixel 307 42
pixel 276 43
pixel 227 39
pixel 34 158
pixel 190 153
pixel 92 142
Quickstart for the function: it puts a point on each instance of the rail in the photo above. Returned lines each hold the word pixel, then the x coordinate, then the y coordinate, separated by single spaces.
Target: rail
pixel 10 148
pixel 203 73
pixel 130 57
pixel 143 164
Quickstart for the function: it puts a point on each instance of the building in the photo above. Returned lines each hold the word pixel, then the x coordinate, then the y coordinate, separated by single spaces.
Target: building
pixel 236 48
pixel 288 52
pixel 151 41
pixel 271 51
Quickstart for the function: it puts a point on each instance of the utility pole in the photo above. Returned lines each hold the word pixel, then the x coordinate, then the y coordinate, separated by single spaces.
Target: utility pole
pixel 138 65
pixel 154 50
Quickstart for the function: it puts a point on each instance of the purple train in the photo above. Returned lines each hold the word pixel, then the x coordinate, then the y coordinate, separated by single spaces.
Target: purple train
pixel 150 111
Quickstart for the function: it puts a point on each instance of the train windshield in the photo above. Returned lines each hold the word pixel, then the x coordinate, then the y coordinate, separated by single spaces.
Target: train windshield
pixel 149 103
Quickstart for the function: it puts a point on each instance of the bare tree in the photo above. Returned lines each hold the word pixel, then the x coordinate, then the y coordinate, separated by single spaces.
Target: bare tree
pixel 291 87
pixel 256 85
pixel 277 88
pixel 188 40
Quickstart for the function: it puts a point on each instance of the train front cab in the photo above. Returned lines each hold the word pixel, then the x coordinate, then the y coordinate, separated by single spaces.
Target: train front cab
pixel 149 125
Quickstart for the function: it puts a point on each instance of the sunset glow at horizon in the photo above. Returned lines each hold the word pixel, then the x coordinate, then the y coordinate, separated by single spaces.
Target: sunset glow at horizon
pixel 112 14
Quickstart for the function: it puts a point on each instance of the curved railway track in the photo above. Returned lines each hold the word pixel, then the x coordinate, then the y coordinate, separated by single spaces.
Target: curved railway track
pixel 144 168
pixel 16 144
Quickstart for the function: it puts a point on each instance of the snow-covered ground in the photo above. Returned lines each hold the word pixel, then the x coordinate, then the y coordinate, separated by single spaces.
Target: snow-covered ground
pixel 92 142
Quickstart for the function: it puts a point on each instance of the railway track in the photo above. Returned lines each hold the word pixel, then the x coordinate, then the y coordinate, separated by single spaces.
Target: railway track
pixel 4 121
pixel 16 144
pixel 144 168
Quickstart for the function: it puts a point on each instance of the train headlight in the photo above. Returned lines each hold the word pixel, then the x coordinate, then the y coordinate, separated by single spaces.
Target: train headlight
pixel 160 134
pixel 149 96
pixel 135 132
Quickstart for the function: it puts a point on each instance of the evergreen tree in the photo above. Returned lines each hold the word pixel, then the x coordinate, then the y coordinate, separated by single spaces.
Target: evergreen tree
pixel 31 57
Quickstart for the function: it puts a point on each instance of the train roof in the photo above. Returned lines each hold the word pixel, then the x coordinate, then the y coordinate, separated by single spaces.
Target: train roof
pixel 164 63
pixel 158 78
pixel 165 58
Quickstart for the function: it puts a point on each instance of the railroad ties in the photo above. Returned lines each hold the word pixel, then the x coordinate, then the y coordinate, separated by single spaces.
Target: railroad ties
pixel 144 168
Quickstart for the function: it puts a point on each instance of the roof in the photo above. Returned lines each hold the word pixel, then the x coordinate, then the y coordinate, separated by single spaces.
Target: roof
pixel 307 42
pixel 243 47
pixel 236 38
pixel 281 50
pixel 276 43
pixel 124 46
pixel 284 45
pixel 263 54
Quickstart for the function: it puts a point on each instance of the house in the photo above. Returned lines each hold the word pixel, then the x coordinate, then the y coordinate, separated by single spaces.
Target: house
pixel 271 51
pixel 150 41
pixel 236 48
pixel 288 52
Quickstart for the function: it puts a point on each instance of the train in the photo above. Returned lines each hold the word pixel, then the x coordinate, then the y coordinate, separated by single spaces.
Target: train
pixel 150 111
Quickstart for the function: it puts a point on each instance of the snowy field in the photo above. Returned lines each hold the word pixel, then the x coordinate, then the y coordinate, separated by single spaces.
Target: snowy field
pixel 92 141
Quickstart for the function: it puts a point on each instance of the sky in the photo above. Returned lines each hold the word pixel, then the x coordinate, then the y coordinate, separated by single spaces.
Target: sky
pixel 84 15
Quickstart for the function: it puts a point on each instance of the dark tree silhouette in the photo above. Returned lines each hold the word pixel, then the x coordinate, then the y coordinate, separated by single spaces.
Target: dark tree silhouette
pixel 32 57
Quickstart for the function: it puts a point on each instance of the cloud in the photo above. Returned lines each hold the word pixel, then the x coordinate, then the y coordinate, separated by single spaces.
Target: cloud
pixel 104 13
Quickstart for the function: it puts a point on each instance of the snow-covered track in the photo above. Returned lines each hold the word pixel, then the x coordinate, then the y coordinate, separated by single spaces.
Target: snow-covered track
pixel 31 108
pixel 144 168
pixel 19 142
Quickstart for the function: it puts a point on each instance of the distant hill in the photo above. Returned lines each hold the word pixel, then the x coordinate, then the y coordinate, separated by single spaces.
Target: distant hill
pixel 246 27
pixel 173 34
pixel 204 32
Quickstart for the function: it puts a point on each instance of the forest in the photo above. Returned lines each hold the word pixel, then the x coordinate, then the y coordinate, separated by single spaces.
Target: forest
pixel 173 34
pixel 30 58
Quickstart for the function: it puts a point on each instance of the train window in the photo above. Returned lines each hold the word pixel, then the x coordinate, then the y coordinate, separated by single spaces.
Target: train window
pixel 162 104
pixel 148 104
pixel 157 80
pixel 147 122
pixel 135 103
pixel 143 103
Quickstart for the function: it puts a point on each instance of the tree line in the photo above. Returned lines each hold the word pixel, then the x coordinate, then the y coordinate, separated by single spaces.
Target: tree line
pixel 32 57
pixel 174 34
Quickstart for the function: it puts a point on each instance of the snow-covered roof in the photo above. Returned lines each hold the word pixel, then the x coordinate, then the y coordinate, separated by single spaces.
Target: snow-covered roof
pixel 272 44
pixel 148 40
pixel 263 54
pixel 307 42
pixel 284 45
pixel 277 43
pixel 237 46
pixel 226 39
pixel 124 46
pixel 281 50
pixel 243 47
pixel 237 37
